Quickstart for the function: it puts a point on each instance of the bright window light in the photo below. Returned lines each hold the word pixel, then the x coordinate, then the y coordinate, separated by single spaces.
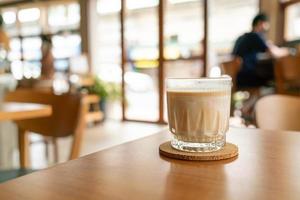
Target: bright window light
pixel 9 17
pixel 137 4
pixel 73 13
pixel 215 72
pixel 108 6
pixel 29 14
pixel 181 1
pixel 17 70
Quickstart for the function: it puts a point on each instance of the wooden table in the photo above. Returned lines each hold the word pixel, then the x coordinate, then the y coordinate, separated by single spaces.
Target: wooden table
pixel 19 111
pixel 268 167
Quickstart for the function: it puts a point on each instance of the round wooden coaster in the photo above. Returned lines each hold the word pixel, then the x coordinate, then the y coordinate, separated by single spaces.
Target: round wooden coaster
pixel 228 151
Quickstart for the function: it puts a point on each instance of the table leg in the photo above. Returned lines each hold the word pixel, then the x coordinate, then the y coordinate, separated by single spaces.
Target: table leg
pixel 23 148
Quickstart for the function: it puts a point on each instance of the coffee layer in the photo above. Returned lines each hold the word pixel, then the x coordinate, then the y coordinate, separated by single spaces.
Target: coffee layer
pixel 198 116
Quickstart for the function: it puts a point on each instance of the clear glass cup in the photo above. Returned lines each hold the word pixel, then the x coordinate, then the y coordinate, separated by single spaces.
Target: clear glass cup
pixel 198 112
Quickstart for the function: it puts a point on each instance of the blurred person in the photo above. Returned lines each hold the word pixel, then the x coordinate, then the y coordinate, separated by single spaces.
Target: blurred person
pixel 47 70
pixel 256 51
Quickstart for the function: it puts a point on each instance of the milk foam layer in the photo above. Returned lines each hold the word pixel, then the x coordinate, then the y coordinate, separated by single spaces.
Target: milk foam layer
pixel 199 116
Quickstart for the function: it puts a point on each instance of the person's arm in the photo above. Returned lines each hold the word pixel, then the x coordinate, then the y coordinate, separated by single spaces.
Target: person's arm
pixel 276 51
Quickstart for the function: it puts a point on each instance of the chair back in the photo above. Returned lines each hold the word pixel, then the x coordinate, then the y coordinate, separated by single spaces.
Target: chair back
pixel 67 112
pixel 287 75
pixel 231 67
pixel 278 112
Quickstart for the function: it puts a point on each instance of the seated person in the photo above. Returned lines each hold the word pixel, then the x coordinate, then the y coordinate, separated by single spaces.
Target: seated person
pixel 249 47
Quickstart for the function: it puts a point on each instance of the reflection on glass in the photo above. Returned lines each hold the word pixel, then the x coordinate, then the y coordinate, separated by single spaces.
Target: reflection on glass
pixel 141 77
pixel 9 17
pixel 292 16
pixel 29 15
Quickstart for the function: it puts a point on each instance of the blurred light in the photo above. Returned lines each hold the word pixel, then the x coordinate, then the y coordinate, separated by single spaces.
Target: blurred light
pixel 17 69
pixel 27 71
pixel 137 4
pixel 60 84
pixel 15 44
pixel 64 15
pixel 56 15
pixel 29 15
pixel 36 72
pixel 73 13
pixel 9 17
pixel 215 72
pixel 74 79
pixel 108 6
pixel 180 1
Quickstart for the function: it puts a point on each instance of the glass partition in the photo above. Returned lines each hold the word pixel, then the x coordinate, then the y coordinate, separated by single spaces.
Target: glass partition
pixel 141 69
pixel 106 51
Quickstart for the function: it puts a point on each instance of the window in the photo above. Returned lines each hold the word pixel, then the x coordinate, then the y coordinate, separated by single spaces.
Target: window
pixel 9 17
pixel 108 6
pixel 32 48
pixel 138 4
pixel 64 15
pixel 25 25
pixel 29 15
pixel 292 22
pixel 226 27
pixel 65 46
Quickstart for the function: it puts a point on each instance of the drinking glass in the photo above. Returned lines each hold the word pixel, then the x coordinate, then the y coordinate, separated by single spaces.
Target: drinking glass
pixel 198 112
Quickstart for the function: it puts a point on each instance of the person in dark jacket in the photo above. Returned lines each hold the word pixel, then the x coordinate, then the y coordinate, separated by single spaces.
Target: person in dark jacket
pixel 250 47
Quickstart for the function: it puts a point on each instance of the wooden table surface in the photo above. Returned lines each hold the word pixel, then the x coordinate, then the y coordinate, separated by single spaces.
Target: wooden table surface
pixel 268 167
pixel 19 111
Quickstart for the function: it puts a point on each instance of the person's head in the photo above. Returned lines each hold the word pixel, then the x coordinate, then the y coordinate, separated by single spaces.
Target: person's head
pixel 260 23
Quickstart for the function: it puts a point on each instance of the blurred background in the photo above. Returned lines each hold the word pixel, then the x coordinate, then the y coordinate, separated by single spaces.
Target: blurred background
pixel 121 51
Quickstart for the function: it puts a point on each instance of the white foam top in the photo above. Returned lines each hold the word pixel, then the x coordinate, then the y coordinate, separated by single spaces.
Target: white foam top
pixel 199 85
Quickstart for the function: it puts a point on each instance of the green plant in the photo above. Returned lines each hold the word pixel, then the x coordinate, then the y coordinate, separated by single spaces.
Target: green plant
pixel 106 90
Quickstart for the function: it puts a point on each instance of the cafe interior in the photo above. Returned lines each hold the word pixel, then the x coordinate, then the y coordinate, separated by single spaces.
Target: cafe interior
pixel 86 81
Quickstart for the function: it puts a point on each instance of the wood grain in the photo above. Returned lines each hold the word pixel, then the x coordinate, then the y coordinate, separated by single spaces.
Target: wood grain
pixel 267 168
pixel 20 111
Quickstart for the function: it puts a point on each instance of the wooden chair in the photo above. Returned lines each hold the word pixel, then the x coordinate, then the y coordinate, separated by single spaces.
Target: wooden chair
pixel 278 112
pixel 287 75
pixel 68 112
pixel 231 67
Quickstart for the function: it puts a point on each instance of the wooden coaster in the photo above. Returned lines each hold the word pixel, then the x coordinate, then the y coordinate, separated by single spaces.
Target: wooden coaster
pixel 228 151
